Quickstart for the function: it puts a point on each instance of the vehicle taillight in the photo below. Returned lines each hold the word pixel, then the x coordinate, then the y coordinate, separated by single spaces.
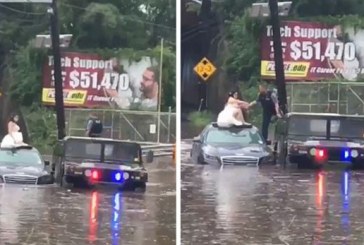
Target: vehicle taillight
pixel 95 175
pixel 320 155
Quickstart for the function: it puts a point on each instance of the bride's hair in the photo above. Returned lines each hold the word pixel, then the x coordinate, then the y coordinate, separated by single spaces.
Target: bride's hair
pixel 231 93
pixel 12 117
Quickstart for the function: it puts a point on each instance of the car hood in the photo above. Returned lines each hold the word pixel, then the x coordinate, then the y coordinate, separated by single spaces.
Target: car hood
pixel 234 149
pixel 21 170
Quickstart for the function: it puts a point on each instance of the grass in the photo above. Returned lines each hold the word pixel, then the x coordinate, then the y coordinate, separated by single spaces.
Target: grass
pixel 200 119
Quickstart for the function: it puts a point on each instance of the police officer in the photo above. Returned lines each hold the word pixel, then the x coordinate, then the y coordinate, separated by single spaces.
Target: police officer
pixel 94 126
pixel 269 103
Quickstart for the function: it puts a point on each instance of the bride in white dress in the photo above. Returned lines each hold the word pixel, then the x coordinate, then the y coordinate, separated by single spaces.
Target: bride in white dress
pixel 14 136
pixel 232 113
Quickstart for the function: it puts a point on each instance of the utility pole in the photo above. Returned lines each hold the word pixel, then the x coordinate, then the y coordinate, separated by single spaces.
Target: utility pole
pixel 58 81
pixel 204 17
pixel 160 90
pixel 278 56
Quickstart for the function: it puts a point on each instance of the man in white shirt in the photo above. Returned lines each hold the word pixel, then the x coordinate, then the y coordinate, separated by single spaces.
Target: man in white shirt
pixel 150 88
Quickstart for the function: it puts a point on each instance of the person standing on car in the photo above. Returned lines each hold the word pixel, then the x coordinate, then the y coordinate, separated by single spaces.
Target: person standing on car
pixel 269 103
pixel 94 126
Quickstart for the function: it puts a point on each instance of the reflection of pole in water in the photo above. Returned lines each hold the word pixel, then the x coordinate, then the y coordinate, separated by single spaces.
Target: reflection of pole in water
pixel 320 191
pixel 345 186
pixel 93 216
pixel 115 220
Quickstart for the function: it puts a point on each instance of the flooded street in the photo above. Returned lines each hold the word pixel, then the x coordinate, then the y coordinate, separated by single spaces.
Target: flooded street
pixel 270 205
pixel 52 215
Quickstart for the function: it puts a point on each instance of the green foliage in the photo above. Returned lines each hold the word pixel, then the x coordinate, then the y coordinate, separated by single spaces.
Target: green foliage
pixel 42 123
pixel 200 119
pixel 23 71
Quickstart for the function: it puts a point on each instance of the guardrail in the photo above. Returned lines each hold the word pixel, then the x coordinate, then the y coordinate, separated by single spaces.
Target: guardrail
pixel 159 150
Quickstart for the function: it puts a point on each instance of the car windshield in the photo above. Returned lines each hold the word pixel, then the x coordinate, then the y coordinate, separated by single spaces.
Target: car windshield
pixel 233 136
pixel 113 151
pixel 307 126
pixel 316 127
pixel 348 128
pixel 20 157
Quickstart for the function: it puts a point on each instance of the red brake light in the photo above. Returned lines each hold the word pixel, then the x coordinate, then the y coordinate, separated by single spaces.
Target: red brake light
pixel 321 155
pixel 95 175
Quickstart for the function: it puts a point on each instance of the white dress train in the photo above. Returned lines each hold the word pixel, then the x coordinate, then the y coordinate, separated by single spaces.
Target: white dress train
pixel 15 139
pixel 226 117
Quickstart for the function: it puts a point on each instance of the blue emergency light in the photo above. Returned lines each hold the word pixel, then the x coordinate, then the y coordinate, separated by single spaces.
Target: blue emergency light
pixel 345 155
pixel 118 176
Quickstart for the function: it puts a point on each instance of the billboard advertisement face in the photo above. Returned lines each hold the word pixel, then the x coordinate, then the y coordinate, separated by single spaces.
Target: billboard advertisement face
pixel 315 51
pixel 92 82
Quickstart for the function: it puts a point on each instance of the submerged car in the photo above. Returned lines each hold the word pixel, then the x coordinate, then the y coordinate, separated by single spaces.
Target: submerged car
pixel 236 145
pixel 81 162
pixel 23 165
pixel 313 140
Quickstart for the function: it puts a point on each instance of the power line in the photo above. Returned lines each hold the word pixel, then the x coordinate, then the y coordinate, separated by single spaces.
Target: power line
pixel 126 17
pixel 20 11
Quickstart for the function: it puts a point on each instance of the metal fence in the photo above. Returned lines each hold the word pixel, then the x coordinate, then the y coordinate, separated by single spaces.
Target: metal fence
pixel 331 97
pixel 126 125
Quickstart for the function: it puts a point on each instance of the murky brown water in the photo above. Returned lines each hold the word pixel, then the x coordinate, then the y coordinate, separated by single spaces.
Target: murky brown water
pixel 247 205
pixel 51 215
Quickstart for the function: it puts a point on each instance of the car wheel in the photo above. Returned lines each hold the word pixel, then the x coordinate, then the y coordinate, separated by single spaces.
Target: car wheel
pixel 200 160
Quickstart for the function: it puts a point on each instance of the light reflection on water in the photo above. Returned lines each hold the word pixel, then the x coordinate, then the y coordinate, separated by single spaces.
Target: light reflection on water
pixel 302 206
pixel 115 231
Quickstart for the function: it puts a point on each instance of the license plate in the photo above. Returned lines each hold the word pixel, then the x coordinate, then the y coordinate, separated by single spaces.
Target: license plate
pixel 137 178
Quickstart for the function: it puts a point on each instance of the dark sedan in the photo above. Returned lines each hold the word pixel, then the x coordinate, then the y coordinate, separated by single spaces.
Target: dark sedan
pixel 23 165
pixel 234 146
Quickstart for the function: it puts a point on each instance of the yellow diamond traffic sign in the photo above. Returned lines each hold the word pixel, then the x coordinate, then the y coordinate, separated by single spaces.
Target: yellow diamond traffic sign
pixel 205 69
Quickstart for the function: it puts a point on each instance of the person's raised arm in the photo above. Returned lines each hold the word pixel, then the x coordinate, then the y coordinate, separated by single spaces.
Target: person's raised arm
pixel 256 101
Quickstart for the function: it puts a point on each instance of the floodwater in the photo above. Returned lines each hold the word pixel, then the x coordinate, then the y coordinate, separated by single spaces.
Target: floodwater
pixel 270 205
pixel 52 215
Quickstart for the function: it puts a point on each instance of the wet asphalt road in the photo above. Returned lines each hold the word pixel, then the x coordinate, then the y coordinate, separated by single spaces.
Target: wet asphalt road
pixel 52 215
pixel 270 205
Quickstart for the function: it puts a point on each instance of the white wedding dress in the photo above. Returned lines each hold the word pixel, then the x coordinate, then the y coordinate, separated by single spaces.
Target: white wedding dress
pixel 13 140
pixel 226 117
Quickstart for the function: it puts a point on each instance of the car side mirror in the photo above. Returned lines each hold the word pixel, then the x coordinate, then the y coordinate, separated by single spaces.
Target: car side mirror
pixel 197 139
pixel 269 142
pixel 150 156
pixel 47 163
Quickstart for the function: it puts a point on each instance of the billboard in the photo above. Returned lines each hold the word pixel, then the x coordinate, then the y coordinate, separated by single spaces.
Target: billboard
pixel 92 82
pixel 315 51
